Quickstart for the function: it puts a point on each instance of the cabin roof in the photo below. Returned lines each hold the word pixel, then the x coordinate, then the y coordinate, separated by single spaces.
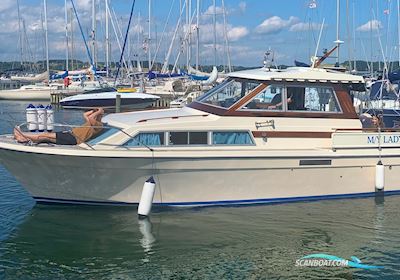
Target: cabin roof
pixel 298 74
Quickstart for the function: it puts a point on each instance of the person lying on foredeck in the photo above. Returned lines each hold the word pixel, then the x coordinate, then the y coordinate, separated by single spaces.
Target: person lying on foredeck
pixel 92 127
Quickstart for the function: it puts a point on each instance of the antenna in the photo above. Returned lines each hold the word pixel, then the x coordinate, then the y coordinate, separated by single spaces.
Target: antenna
pixel 314 58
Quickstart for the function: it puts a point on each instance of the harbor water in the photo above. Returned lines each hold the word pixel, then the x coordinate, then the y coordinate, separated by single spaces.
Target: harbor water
pixel 248 242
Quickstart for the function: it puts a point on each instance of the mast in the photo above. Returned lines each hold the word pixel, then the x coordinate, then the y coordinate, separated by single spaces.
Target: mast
pixel 228 53
pixel 215 33
pixel 398 28
pixel 198 35
pixel 46 40
pixel 379 60
pixel 43 40
pixel 72 37
pixel 338 42
pixel 354 38
pixel 138 66
pixel 349 39
pixel 149 39
pixel 94 32
pixel 107 41
pixel 188 26
pixel 371 33
pixel 66 36
pixel 20 35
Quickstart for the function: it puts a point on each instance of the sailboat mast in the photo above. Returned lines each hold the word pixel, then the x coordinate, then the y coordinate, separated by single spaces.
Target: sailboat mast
pixel 149 39
pixel 107 41
pixel 198 35
pixel 94 32
pixel 228 52
pixel 46 40
pixel 215 33
pixel 138 66
pixel 72 37
pixel 189 26
pixel 370 34
pixel 20 35
pixel 66 36
pixel 337 31
pixel 398 28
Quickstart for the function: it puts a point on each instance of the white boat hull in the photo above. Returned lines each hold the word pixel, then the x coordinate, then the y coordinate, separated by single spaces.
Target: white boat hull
pixel 108 100
pixel 17 94
pixel 196 181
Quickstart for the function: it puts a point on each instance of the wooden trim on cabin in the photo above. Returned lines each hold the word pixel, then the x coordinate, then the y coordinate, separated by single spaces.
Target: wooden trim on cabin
pixel 247 98
pixel 291 134
pixel 345 102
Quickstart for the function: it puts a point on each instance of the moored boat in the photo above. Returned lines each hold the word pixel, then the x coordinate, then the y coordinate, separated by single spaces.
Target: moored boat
pixel 261 136
pixel 132 100
pixel 28 92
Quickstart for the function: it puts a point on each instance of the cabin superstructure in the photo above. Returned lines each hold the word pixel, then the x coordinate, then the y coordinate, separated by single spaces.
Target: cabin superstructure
pixel 293 92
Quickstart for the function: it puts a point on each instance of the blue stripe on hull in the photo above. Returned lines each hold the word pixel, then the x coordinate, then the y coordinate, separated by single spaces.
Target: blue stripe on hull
pixel 45 200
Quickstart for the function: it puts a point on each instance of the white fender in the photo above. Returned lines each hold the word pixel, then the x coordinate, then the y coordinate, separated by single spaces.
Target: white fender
pixel 42 117
pixel 49 118
pixel 379 176
pixel 32 118
pixel 146 199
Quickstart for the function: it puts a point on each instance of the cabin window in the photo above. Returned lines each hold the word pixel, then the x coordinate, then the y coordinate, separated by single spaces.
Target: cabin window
pixel 105 133
pixel 231 138
pixel 188 138
pixel 198 138
pixel 146 139
pixel 228 93
pixel 268 99
pixel 311 98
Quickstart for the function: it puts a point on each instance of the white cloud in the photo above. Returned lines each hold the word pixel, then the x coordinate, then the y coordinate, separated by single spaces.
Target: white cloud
pixel 9 26
pixel 241 8
pixel 371 25
pixel 304 26
pixel 236 33
pixel 210 10
pixel 275 25
pixel 83 5
pixel 7 4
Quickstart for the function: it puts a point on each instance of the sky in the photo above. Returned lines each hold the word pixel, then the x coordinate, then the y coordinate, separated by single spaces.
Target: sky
pixel 289 28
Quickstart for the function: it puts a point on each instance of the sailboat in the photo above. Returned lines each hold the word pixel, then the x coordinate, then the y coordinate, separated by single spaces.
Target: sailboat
pixel 39 91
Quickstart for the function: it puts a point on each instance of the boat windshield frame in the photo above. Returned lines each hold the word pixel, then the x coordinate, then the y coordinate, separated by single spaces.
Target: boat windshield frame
pixel 224 85
pixel 341 92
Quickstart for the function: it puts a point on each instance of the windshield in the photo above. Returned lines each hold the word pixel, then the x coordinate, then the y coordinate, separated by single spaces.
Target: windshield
pixel 228 93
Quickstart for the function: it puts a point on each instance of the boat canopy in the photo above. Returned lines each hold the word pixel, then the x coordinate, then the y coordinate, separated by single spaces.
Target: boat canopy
pixel 385 90
pixel 298 74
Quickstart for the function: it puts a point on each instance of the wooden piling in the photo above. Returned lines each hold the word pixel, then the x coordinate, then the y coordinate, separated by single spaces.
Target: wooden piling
pixel 118 103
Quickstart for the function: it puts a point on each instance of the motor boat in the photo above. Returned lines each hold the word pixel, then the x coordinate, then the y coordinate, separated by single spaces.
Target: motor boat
pixel 132 100
pixel 37 92
pixel 43 91
pixel 262 136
